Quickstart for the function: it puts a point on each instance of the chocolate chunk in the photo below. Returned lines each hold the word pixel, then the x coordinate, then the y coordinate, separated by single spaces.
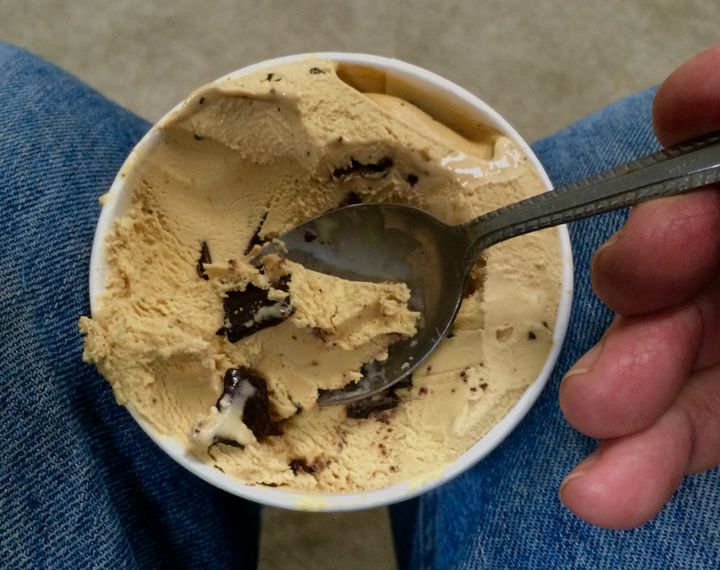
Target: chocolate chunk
pixel 371 170
pixel 256 413
pixel 255 238
pixel 317 71
pixel 404 384
pixel 483 386
pixel 269 76
pixel 201 100
pixel 310 236
pixel 547 326
pixel 242 311
pixel 300 465
pixel 362 409
pixel 230 442
pixel 412 179
pixel 204 258
pixel 321 334
pixel 531 335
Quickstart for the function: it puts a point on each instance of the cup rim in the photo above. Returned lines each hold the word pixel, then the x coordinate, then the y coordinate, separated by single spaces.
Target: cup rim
pixel 115 202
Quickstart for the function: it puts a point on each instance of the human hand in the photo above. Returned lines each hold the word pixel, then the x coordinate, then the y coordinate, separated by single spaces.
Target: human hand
pixel 650 389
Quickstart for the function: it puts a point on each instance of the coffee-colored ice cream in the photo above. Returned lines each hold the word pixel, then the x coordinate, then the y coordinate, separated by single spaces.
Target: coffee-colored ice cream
pixel 228 356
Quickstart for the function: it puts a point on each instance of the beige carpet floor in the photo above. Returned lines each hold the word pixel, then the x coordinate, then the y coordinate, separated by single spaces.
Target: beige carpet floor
pixel 542 64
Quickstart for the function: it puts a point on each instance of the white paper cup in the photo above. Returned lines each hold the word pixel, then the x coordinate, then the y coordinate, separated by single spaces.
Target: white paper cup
pixel 447 102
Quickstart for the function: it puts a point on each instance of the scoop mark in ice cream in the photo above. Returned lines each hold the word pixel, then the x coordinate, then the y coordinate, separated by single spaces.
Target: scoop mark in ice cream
pixel 250 310
pixel 205 257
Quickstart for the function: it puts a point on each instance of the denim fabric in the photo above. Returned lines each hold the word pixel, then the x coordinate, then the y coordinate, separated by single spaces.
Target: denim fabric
pixel 505 513
pixel 80 485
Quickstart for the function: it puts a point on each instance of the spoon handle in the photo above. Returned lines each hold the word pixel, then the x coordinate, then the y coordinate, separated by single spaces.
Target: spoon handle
pixel 675 170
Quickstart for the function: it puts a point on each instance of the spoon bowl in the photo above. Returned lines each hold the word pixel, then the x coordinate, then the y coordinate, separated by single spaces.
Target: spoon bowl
pixel 387 243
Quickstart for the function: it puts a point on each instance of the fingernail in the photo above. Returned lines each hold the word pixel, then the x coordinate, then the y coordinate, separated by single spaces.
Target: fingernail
pixel 580 471
pixel 609 242
pixel 586 362
pixel 573 475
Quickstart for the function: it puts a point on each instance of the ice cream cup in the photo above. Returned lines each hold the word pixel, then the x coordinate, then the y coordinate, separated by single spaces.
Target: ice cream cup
pixel 446 102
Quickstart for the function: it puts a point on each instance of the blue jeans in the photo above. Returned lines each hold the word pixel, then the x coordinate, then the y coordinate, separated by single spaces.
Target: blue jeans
pixel 81 485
